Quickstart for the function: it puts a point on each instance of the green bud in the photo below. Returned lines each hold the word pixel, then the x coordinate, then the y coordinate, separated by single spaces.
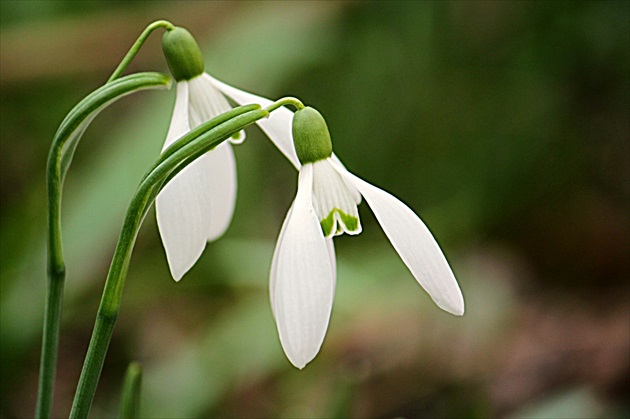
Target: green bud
pixel 311 136
pixel 182 54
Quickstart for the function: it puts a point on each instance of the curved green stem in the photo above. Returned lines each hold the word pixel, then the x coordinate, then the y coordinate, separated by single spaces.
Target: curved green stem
pixel 193 134
pixel 296 103
pixel 195 144
pixel 137 45
pixel 62 149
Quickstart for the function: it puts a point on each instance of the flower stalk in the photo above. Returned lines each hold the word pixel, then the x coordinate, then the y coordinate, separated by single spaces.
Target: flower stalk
pixel 62 150
pixel 137 45
pixel 182 153
pixel 60 156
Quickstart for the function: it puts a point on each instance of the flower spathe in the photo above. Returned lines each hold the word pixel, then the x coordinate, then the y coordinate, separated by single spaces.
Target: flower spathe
pixel 303 268
pixel 197 205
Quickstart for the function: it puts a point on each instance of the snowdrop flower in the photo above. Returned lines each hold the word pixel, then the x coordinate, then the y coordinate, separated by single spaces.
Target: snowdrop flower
pixel 197 205
pixel 303 274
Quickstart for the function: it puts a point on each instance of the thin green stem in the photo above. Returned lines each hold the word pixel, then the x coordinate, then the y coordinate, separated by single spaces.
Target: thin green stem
pixel 62 149
pixel 54 295
pixel 50 340
pixel 182 142
pixel 296 103
pixel 137 45
pixel 197 143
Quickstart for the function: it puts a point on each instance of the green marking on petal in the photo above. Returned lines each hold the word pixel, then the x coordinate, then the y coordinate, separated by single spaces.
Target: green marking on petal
pixel 351 223
pixel 328 224
pixel 331 227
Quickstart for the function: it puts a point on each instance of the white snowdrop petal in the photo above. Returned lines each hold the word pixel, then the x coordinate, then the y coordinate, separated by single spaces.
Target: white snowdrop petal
pixel 333 260
pixel 333 201
pixel 220 186
pixel 183 216
pixel 414 243
pixel 277 126
pixel 304 281
pixel 180 124
pixel 353 191
pixel 274 261
pixel 177 205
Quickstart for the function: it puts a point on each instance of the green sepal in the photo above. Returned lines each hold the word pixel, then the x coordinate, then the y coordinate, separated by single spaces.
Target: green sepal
pixel 182 54
pixel 328 224
pixel 311 136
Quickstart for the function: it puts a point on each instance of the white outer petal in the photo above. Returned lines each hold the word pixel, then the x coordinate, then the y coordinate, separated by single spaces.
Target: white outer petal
pixel 331 255
pixel 274 261
pixel 179 211
pixel 414 243
pixel 197 205
pixel 179 121
pixel 183 216
pixel 302 279
pixel 333 260
pixel 220 167
pixel 277 126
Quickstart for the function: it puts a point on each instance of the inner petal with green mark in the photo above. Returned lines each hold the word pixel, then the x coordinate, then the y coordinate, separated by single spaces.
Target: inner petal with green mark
pixel 333 202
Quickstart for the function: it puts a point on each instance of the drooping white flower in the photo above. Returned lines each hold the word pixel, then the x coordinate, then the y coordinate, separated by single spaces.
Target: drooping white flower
pixel 197 205
pixel 303 268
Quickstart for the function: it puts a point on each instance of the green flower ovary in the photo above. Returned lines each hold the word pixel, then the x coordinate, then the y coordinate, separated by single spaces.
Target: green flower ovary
pixel 337 221
pixel 182 54
pixel 311 136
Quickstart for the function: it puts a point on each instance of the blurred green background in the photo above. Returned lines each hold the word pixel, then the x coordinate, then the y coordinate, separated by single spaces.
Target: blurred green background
pixel 504 125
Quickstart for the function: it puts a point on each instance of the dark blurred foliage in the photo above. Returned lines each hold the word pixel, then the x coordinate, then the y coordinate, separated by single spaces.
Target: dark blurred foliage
pixel 505 125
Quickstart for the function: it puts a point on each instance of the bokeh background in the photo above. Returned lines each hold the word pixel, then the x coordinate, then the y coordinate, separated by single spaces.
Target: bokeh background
pixel 505 125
